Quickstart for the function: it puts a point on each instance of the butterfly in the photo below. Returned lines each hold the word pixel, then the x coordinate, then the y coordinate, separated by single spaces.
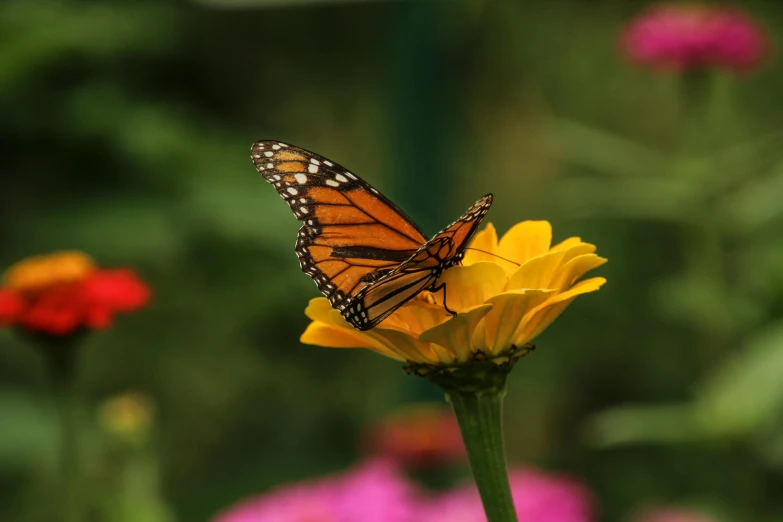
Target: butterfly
pixel 365 255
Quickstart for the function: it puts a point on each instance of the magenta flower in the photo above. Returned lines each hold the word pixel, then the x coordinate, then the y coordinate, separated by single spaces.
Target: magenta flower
pixel 538 497
pixel 693 36
pixel 374 491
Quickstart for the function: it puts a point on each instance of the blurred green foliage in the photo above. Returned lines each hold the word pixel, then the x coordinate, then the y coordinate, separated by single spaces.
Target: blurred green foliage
pixel 125 133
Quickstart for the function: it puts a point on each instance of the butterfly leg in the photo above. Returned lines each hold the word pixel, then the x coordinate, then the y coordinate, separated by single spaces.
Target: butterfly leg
pixel 439 287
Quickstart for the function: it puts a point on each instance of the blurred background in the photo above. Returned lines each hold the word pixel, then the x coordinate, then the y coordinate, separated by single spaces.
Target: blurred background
pixel 125 133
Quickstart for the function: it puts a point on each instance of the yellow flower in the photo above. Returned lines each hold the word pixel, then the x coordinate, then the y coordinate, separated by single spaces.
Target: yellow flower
pixel 40 272
pixel 128 415
pixel 503 298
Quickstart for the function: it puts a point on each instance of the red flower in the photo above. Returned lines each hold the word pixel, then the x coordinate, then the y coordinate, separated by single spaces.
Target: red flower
pixel 61 293
pixel 418 437
pixel 11 307
pixel 119 289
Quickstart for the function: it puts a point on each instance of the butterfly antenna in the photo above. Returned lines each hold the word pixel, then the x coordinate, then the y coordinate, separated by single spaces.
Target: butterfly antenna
pixel 493 255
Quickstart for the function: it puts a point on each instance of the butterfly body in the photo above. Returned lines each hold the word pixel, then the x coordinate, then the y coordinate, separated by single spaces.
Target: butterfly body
pixel 364 254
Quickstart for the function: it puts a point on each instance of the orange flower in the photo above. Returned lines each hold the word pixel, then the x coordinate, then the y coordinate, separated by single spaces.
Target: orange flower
pixel 60 293
pixel 503 298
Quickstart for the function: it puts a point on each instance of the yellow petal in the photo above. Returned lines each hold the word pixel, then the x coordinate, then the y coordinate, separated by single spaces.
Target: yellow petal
pixel 576 251
pixel 526 240
pixel 571 242
pixel 416 316
pixel 582 287
pixel 322 334
pixel 568 273
pixel 540 271
pixel 378 340
pixel 406 347
pixel 543 315
pixel 486 240
pixel 540 321
pixel 329 329
pixel 469 286
pixel 537 272
pixel 495 332
pixel 457 332
pixel 319 309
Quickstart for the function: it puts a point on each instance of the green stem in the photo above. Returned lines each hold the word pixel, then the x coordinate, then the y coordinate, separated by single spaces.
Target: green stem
pixel 61 360
pixel 695 100
pixel 704 248
pixel 476 392
pixel 480 420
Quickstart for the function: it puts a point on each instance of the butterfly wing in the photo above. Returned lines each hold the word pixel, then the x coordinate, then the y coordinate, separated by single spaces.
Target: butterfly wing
pixel 351 234
pixel 377 301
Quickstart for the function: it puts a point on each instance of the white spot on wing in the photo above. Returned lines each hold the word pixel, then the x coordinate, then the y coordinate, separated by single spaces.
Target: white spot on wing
pixel 292 191
pixel 300 178
pixel 312 169
pixel 332 183
pixel 269 154
pixel 340 177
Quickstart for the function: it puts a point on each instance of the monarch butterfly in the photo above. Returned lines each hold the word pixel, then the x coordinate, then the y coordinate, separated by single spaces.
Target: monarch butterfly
pixel 365 255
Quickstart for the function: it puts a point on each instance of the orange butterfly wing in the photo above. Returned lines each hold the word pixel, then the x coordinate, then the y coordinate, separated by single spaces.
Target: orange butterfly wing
pixel 420 272
pixel 351 234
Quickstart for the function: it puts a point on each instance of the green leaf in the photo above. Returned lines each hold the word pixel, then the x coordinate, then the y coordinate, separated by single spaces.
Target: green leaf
pixel 38 33
pixel 121 228
pixel 664 199
pixel 663 424
pixel 244 207
pixel 756 204
pixel 742 398
pixel 607 153
pixel 30 438
pixel 699 299
pixel 746 393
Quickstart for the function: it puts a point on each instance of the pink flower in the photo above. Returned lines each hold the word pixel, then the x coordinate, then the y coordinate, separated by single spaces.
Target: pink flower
pixel 374 491
pixel 692 36
pixel 538 497
pixel 671 514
